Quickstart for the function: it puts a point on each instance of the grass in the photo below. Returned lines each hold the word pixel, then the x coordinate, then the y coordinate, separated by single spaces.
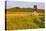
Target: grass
pixel 21 18
pixel 23 22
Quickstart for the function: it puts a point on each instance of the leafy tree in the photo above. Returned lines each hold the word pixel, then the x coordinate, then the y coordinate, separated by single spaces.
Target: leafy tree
pixel 35 7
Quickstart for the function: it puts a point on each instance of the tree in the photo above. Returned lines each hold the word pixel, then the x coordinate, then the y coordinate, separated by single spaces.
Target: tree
pixel 17 7
pixel 35 7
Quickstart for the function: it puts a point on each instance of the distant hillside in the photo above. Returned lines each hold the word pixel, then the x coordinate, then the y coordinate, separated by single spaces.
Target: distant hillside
pixel 17 9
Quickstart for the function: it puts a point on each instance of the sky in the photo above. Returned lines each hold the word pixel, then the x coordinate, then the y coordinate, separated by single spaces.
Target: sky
pixel 22 4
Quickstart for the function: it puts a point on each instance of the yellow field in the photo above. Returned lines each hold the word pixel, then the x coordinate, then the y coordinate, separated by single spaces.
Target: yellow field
pixel 23 20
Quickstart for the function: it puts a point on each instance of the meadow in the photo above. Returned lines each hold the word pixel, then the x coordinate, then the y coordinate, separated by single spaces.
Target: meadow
pixel 24 20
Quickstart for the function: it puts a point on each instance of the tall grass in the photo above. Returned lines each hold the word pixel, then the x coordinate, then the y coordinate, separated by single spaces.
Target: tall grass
pixel 24 22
